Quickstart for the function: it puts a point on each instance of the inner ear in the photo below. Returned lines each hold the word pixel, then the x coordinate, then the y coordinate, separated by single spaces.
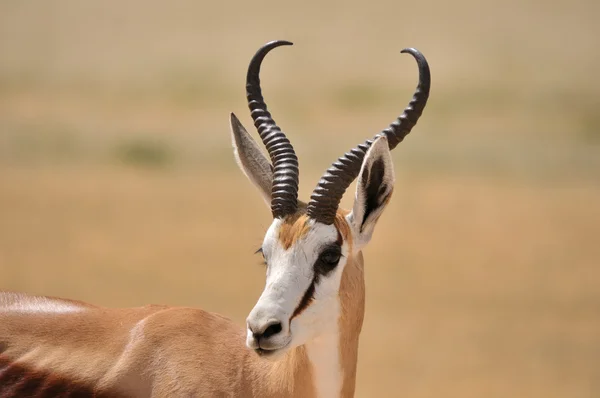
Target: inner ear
pixel 373 191
pixel 376 190
pixel 251 160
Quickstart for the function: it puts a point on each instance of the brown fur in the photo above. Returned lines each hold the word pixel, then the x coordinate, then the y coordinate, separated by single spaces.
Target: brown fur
pixel 352 293
pixel 159 351
pixel 352 303
pixel 17 380
pixel 342 226
pixel 293 229
pixel 152 351
pixel 352 299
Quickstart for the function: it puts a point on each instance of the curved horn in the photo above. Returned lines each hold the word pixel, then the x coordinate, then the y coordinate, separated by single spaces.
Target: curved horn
pixel 326 197
pixel 284 192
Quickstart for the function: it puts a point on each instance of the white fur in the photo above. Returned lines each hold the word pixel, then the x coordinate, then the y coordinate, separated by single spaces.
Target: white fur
pixel 324 354
pixel 289 274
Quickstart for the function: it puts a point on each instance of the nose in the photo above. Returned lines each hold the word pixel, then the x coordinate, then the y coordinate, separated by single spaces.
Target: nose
pixel 266 331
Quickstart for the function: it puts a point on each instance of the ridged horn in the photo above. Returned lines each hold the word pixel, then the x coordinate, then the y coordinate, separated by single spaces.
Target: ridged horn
pixel 284 192
pixel 326 197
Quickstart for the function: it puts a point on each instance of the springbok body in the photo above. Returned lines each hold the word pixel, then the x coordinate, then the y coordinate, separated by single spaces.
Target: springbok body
pixel 301 338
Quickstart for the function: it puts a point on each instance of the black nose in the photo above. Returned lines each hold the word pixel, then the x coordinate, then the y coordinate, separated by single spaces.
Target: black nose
pixel 269 331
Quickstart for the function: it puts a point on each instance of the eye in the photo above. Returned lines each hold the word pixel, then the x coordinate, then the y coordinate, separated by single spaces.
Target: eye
pixel 331 257
pixel 328 259
pixel 264 260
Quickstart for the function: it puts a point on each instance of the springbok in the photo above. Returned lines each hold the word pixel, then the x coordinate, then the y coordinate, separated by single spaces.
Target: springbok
pixel 301 337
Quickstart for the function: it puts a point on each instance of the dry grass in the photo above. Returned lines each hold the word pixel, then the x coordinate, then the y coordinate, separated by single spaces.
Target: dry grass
pixel 117 184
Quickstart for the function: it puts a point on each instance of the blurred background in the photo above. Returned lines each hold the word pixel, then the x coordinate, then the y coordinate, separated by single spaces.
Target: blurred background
pixel 118 184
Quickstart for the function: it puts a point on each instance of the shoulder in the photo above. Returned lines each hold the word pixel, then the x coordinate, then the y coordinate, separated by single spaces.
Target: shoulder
pixel 172 323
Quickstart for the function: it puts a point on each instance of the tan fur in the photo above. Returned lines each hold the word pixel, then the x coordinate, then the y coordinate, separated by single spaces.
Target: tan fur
pixel 159 351
pixel 293 229
pixel 352 303
pixel 153 351
pixel 343 228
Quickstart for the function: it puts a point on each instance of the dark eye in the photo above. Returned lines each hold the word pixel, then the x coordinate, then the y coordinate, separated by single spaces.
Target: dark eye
pixel 331 257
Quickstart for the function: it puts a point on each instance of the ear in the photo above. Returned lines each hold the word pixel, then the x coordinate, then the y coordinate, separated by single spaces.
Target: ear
pixel 251 160
pixel 373 191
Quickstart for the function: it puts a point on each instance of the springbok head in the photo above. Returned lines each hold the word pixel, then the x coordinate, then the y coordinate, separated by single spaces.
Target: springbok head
pixel 313 251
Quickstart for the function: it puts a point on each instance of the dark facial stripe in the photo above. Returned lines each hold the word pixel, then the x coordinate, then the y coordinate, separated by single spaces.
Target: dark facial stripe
pixel 17 380
pixel 308 296
pixel 306 299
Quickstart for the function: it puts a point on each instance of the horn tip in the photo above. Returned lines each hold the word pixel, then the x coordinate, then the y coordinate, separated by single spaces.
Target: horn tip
pixel 418 55
pixel 233 118
pixel 277 43
pixel 412 51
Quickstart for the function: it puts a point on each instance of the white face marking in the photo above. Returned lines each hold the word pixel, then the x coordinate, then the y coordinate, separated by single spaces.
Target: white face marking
pixel 290 273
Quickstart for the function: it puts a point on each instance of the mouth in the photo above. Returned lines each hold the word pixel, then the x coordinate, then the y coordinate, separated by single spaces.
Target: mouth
pixel 266 353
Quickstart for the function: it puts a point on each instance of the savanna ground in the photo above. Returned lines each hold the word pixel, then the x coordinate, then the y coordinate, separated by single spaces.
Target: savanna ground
pixel 118 185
